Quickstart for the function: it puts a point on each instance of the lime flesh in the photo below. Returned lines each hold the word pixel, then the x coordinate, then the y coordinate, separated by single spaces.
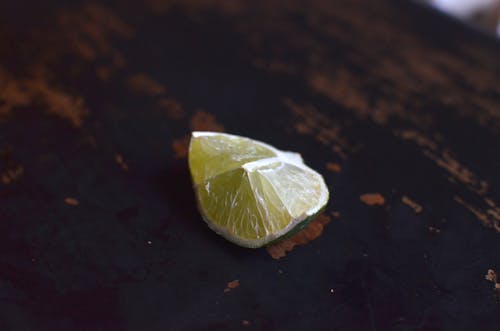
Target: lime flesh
pixel 250 192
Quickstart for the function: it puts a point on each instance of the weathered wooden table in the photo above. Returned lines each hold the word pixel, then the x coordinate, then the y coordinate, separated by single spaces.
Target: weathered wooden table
pixel 398 107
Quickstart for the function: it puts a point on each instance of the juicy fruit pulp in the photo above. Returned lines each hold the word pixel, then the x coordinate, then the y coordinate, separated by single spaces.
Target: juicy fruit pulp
pixel 250 192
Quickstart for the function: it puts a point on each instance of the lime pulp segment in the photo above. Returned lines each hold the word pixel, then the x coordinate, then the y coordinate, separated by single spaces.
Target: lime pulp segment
pixel 250 192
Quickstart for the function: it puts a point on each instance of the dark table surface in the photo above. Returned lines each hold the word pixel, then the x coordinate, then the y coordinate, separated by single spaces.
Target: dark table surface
pixel 98 224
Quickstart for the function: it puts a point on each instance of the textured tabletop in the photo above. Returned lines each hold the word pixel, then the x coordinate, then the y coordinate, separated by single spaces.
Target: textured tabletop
pixel 397 106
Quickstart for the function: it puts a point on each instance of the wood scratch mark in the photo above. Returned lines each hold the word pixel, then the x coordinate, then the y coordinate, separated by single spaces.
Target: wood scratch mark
pixel 412 204
pixel 490 218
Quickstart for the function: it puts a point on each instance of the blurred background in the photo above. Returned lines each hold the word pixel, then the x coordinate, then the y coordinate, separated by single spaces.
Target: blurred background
pixel 484 14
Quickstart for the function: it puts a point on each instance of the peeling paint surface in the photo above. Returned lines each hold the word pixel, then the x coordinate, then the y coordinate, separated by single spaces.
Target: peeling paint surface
pixel 372 199
pixel 312 231
pixel 99 228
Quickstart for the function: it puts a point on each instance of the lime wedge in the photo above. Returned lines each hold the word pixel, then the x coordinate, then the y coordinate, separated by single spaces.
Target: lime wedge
pixel 250 192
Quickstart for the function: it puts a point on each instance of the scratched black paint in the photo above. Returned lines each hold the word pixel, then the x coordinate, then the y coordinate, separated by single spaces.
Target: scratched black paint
pixel 134 254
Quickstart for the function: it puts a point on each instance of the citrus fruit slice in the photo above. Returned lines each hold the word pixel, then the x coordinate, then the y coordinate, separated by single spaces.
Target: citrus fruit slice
pixel 250 192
